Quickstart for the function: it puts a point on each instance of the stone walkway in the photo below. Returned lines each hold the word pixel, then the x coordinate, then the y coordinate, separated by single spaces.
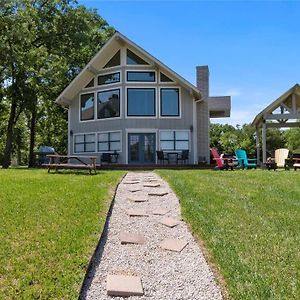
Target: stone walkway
pixel 148 243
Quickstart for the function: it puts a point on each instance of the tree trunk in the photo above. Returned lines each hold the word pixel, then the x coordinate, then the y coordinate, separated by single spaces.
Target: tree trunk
pixel 9 135
pixel 32 161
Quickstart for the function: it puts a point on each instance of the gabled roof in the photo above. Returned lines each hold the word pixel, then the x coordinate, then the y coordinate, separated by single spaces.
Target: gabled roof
pixel 95 65
pixel 275 104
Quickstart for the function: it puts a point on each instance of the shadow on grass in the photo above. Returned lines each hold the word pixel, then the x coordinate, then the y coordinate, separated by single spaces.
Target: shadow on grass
pixel 98 253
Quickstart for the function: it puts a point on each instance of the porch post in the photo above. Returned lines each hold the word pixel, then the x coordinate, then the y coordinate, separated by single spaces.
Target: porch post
pixel 257 146
pixel 264 142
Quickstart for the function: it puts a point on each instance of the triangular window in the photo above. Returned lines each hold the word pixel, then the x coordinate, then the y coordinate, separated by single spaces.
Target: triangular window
pixel 90 84
pixel 114 61
pixel 133 59
pixel 165 78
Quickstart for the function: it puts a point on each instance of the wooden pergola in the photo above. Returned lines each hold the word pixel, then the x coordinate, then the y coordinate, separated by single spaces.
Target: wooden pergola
pixel 282 113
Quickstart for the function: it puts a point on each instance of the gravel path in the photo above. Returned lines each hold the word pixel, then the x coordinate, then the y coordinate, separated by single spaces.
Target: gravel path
pixel 165 275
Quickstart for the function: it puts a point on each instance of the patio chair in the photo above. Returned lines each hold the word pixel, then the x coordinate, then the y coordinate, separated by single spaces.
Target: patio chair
pixel 106 158
pixel 280 157
pixel 244 161
pixel 184 156
pixel 161 157
pixel 223 163
pixel 296 161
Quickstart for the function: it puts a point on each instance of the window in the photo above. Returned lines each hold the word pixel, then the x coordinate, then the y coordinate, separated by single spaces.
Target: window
pixel 133 59
pixel 140 102
pixel 174 140
pixel 169 102
pixel 109 141
pixel 141 76
pixel 108 104
pixel 114 61
pixel 165 78
pixel 84 143
pixel 109 78
pixel 87 107
pixel 90 84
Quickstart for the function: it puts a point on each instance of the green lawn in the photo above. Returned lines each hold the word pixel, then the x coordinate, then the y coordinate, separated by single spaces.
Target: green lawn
pixel 49 227
pixel 249 222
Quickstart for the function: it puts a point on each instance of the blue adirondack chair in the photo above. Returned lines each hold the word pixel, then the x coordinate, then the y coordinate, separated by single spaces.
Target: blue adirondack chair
pixel 244 161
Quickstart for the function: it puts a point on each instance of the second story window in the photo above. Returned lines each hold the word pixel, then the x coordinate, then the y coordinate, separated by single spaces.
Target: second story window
pixel 141 102
pixel 138 76
pixel 108 104
pixel 109 78
pixel 87 107
pixel 169 102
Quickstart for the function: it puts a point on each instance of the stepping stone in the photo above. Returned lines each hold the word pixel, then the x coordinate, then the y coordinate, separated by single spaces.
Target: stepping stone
pixel 151 184
pixel 131 238
pixel 131 182
pixel 158 193
pixel 134 189
pixel 160 211
pixel 170 222
pixel 124 286
pixel 137 213
pixel 137 198
pixel 173 244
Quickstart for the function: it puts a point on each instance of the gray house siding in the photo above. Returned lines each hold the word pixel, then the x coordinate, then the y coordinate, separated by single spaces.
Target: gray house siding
pixel 130 124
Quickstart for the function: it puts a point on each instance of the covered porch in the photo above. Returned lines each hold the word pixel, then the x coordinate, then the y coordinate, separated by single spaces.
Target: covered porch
pixel 282 113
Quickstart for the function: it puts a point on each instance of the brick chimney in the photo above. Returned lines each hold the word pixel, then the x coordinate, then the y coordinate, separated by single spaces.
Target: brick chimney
pixel 202 73
pixel 202 76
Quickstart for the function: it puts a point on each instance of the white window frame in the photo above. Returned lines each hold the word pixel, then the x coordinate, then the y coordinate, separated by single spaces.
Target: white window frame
pixel 79 107
pixel 165 82
pixel 108 131
pixel 176 130
pixel 105 90
pixel 141 87
pixel 91 87
pixel 141 56
pixel 141 82
pixel 118 70
pixel 180 100
pixel 84 133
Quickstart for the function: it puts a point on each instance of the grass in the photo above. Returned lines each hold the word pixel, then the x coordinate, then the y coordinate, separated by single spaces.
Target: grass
pixel 249 222
pixel 49 227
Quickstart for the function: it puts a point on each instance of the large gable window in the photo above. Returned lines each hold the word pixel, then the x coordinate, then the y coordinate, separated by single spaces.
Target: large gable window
pixel 137 76
pixel 114 61
pixel 109 141
pixel 109 78
pixel 141 102
pixel 84 143
pixel 87 107
pixel 108 104
pixel 169 102
pixel 133 59
pixel 174 140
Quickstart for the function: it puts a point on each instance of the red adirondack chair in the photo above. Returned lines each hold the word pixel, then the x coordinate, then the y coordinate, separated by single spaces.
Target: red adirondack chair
pixel 222 163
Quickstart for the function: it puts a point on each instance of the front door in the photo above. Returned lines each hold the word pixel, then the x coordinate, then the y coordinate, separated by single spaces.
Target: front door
pixel 141 148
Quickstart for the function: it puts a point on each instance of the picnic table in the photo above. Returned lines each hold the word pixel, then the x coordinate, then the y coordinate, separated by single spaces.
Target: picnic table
pixel 57 161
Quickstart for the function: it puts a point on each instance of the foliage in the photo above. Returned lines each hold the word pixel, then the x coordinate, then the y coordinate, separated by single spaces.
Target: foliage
pixel 50 226
pixel 52 42
pixel 227 138
pixel 249 224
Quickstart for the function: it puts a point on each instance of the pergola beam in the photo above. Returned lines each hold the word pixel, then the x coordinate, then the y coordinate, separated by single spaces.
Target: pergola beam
pixel 282 116
pixel 283 125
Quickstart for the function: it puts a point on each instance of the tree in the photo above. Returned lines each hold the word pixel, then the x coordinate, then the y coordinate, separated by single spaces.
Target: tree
pixel 39 57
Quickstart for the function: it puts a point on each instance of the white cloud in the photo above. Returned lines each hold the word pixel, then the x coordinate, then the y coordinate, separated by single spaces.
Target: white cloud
pixel 237 116
pixel 233 92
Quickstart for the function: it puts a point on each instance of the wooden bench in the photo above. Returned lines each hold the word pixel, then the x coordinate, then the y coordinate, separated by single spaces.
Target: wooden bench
pixel 57 162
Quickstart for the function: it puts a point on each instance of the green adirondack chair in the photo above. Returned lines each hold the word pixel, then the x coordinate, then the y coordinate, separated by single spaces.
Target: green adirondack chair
pixel 244 161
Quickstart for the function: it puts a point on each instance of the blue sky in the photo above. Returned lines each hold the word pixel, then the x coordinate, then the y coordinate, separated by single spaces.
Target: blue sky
pixel 251 47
